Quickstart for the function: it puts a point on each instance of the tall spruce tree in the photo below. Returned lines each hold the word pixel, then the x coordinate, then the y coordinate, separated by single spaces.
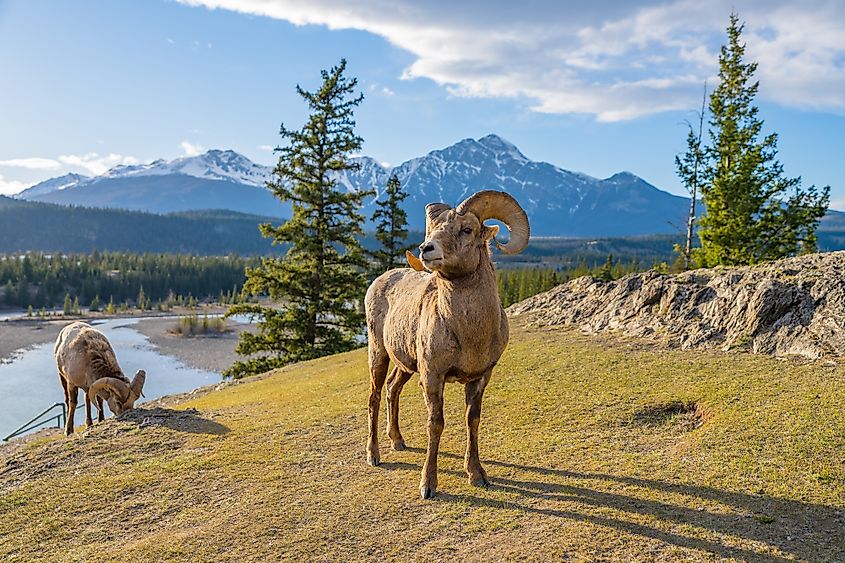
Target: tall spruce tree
pixel 319 283
pixel 754 212
pixel 391 221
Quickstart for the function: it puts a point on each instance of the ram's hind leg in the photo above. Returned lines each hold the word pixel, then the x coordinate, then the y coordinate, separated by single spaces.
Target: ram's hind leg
pixel 472 462
pixel 379 362
pixel 88 422
pixel 72 393
pixel 397 380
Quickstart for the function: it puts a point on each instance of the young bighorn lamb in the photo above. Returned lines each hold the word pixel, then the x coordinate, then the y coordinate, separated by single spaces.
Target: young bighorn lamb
pixel 447 324
pixel 86 361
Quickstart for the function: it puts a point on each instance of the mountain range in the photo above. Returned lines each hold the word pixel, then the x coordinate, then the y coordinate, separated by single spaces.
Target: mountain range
pixel 558 202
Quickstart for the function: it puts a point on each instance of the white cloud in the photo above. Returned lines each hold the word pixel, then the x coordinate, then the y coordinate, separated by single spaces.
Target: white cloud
pixel 614 60
pixel 9 187
pixel 387 91
pixel 266 148
pixel 93 163
pixel 33 163
pixel 191 149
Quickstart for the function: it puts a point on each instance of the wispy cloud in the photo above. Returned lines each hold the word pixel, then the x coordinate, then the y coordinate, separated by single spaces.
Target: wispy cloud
pixel 9 187
pixel 33 163
pixel 191 149
pixel 94 163
pixel 266 148
pixel 612 60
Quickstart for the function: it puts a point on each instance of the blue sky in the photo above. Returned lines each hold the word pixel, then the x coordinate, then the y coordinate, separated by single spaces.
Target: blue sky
pixel 593 87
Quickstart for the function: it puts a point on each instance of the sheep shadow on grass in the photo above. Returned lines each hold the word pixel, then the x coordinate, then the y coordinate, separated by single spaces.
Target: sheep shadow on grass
pixel 795 528
pixel 188 420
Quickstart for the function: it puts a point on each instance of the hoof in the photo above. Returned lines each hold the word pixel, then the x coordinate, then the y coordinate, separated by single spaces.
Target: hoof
pixel 399 446
pixel 373 460
pixel 427 491
pixel 428 487
pixel 479 481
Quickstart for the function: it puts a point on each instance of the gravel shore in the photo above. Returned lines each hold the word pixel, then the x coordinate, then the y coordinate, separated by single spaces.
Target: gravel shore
pixel 22 334
pixel 210 352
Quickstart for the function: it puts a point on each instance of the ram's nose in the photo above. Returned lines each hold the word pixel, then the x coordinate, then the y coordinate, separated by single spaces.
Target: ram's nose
pixel 426 247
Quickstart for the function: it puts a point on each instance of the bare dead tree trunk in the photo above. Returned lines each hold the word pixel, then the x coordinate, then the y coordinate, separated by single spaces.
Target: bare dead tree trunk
pixel 694 186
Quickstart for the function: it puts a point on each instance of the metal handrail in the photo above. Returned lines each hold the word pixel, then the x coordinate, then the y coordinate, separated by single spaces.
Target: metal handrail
pixel 33 423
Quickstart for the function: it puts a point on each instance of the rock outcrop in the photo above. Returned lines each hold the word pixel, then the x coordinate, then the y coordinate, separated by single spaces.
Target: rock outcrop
pixel 791 307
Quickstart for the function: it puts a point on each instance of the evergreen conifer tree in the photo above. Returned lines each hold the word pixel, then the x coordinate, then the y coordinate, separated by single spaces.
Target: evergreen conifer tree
pixel 319 283
pixel 391 221
pixel 753 212
pixel 606 272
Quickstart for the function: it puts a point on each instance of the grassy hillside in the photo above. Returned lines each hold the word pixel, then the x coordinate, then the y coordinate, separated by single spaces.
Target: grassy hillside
pixel 597 449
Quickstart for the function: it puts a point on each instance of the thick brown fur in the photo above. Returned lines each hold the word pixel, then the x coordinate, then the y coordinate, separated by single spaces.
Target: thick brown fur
pixel 83 357
pixel 446 325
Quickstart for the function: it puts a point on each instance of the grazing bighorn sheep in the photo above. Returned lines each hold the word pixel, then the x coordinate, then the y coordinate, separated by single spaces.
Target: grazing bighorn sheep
pixel 86 361
pixel 447 324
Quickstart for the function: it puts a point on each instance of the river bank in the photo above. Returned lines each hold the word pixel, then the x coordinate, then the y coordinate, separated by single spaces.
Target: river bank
pixel 208 352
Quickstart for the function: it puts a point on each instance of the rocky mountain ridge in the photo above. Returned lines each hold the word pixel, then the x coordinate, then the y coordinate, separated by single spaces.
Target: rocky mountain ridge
pixel 790 307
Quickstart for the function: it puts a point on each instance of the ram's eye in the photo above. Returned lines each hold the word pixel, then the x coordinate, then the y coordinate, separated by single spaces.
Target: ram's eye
pixel 466 231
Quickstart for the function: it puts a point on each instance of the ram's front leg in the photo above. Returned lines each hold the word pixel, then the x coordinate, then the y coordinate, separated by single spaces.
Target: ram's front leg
pixel 433 389
pixel 472 463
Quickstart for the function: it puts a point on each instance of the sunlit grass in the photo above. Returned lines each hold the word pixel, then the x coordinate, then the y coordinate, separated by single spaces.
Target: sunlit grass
pixel 596 448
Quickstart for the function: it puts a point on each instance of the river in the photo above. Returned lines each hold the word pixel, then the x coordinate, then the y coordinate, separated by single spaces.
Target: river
pixel 29 382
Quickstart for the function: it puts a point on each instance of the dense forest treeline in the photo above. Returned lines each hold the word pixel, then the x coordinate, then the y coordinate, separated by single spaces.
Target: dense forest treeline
pixel 54 281
pixel 44 227
pixel 42 280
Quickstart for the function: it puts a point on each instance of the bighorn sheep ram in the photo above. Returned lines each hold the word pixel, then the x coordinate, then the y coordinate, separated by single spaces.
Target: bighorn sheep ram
pixel 86 361
pixel 446 323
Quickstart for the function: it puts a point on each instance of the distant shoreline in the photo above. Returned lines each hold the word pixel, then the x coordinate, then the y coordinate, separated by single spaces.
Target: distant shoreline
pixel 212 353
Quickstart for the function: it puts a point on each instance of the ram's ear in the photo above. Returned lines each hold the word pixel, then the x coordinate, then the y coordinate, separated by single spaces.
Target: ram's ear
pixel 489 231
pixel 414 262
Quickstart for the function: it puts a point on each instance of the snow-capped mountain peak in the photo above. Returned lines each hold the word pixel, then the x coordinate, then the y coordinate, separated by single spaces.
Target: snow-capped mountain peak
pixel 226 165
pixel 52 185
pixel 558 201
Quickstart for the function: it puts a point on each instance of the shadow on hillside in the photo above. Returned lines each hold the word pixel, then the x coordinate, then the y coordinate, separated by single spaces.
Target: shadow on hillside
pixel 798 529
pixel 188 420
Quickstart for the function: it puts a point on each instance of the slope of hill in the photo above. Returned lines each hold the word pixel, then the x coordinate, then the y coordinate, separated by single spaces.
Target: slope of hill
pixel 596 449
pixel 558 202
pixel 31 226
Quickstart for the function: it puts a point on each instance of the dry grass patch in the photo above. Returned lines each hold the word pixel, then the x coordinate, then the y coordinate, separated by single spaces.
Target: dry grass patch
pixel 597 449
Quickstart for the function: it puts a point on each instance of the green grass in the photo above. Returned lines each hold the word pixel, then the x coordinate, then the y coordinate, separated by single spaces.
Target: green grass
pixel 597 449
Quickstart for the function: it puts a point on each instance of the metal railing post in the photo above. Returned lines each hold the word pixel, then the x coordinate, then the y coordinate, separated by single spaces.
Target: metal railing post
pixel 33 423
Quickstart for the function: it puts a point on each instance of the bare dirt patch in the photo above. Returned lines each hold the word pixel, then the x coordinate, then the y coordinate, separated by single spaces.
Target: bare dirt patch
pixel 685 415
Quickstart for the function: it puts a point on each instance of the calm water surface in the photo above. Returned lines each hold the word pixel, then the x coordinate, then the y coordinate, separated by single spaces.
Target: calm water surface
pixel 29 382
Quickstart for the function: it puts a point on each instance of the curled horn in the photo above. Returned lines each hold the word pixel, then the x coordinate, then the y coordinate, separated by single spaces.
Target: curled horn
pixel 138 383
pixel 432 212
pixel 113 385
pixel 490 204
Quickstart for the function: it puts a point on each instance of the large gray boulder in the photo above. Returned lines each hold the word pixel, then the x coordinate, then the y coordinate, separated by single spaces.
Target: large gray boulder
pixel 791 307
